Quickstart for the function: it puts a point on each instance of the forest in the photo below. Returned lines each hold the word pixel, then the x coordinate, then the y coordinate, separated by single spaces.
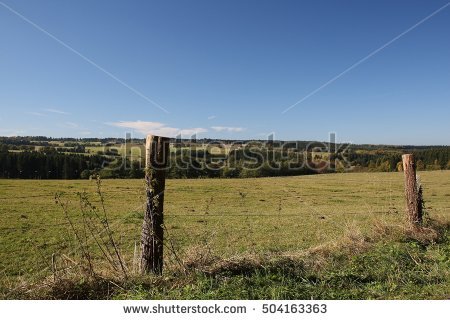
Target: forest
pixel 41 158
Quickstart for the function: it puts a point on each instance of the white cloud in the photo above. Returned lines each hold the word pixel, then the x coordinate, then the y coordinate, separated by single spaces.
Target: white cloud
pixel 56 111
pixel 212 117
pixel 228 129
pixel 156 128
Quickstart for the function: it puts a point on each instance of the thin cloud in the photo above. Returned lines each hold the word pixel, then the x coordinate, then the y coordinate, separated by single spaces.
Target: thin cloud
pixel 212 117
pixel 12 133
pixel 38 114
pixel 192 131
pixel 228 129
pixel 156 128
pixel 71 124
pixel 56 111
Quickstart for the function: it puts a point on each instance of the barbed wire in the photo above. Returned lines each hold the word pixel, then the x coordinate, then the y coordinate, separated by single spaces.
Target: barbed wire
pixel 25 197
pixel 69 243
pixel 166 215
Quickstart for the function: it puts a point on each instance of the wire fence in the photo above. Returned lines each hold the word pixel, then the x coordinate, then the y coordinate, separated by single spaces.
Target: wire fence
pixel 217 214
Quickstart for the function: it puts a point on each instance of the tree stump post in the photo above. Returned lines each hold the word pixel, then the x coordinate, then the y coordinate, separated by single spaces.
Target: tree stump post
pixel 157 153
pixel 413 192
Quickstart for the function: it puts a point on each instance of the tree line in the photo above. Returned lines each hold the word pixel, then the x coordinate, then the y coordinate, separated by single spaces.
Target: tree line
pixel 40 165
pixel 199 163
pixel 381 160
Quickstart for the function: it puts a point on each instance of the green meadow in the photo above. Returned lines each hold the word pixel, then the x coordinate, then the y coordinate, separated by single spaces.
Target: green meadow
pixel 228 217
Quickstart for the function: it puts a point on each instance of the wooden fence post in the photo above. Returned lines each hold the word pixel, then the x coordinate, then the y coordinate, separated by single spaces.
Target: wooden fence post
pixel 412 191
pixel 157 153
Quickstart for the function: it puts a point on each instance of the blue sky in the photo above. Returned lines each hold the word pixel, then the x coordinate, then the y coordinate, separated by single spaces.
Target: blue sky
pixel 227 69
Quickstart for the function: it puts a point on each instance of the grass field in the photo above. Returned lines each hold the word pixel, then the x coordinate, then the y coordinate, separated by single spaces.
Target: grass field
pixel 230 216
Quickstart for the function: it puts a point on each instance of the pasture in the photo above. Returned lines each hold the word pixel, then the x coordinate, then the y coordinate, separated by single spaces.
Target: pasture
pixel 229 216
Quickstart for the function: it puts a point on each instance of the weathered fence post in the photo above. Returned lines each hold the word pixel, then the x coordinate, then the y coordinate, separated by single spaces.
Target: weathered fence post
pixel 157 153
pixel 412 191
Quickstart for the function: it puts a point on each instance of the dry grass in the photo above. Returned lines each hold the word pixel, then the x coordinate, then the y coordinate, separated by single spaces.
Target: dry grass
pixel 76 282
pixel 354 241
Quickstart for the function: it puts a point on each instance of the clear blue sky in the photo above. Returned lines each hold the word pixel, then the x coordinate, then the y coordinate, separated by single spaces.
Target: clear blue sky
pixel 226 69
